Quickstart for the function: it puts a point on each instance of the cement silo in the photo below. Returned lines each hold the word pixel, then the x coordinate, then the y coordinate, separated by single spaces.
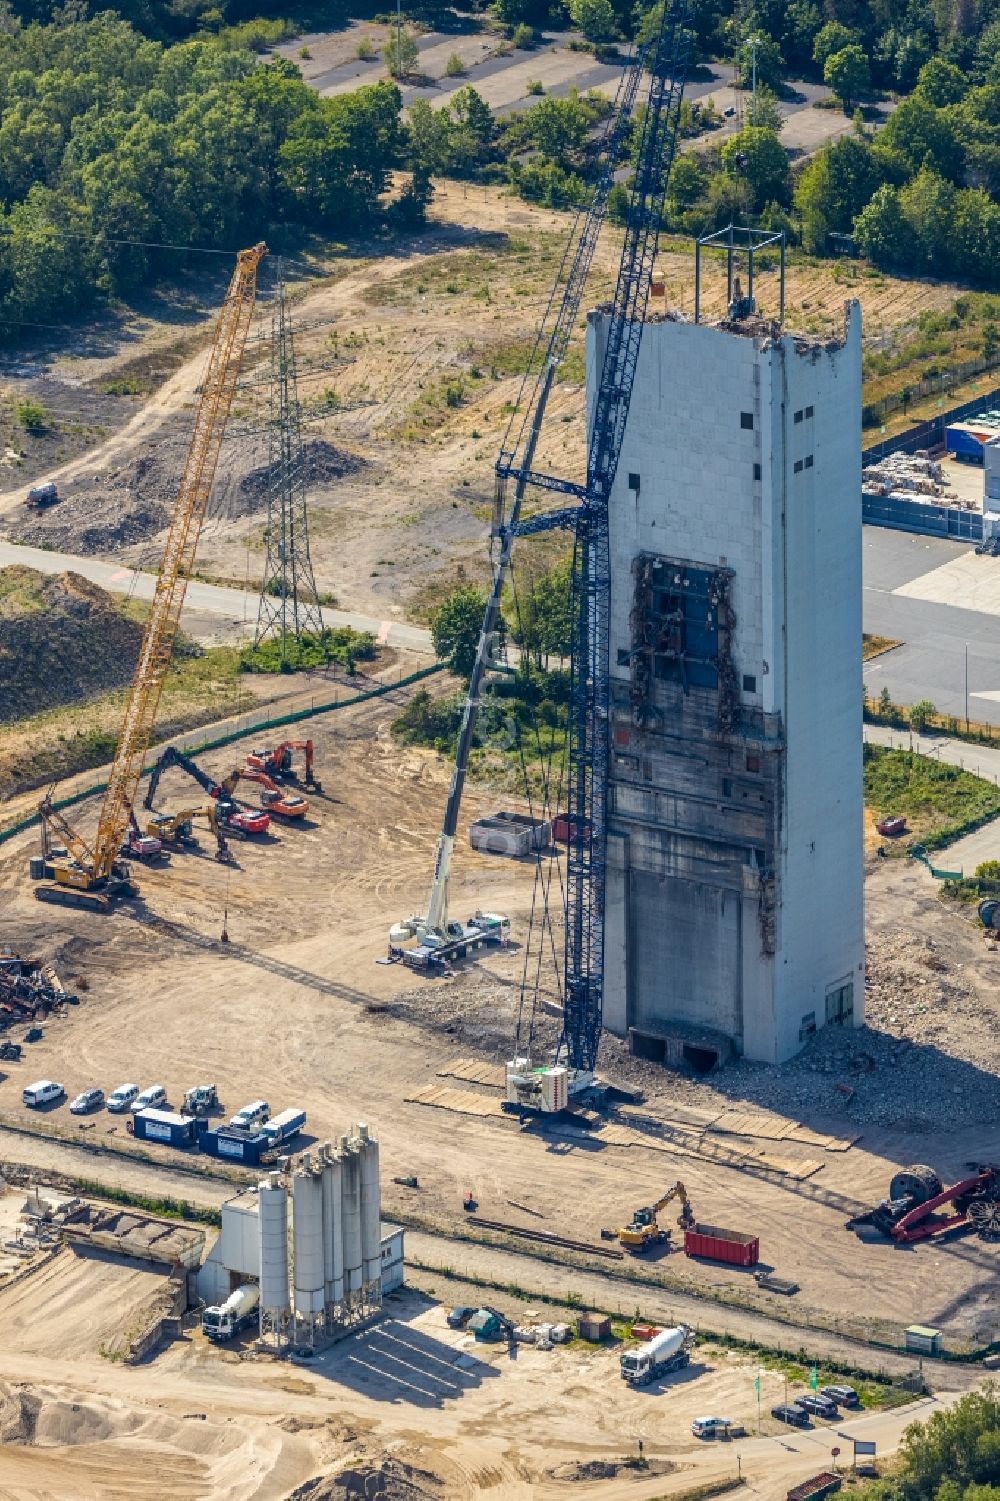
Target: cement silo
pixel 333 1236
pixel 371 1217
pixel 350 1194
pixel 272 1228
pixel 307 1250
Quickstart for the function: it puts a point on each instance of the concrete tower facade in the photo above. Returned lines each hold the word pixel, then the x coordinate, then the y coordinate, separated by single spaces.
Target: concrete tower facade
pixel 735 850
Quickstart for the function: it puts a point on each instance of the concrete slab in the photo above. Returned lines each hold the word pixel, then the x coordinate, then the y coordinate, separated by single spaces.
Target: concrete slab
pixel 967 583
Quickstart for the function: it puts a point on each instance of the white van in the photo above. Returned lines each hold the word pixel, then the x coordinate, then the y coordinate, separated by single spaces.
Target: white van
pixel 251 1116
pixel 121 1098
pixel 41 1092
pixel 150 1099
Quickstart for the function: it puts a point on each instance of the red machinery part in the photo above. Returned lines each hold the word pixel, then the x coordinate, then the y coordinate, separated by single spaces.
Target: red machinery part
pixel 912 1227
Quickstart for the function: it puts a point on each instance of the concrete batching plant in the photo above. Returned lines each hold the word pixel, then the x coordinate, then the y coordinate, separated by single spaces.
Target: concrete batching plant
pixel 313 1238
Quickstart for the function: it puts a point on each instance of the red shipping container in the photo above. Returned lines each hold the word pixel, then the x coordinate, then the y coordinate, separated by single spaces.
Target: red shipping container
pixel 564 827
pixel 732 1246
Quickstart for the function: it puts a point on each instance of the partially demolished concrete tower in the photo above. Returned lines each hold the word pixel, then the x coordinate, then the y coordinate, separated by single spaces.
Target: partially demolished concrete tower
pixel 735 849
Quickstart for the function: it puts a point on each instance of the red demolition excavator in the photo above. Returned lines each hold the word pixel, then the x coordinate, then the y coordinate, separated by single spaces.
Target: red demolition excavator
pixel 277 762
pixel 920 1207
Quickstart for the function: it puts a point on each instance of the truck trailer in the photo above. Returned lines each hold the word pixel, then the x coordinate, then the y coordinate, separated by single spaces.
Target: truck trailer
pixel 667 1352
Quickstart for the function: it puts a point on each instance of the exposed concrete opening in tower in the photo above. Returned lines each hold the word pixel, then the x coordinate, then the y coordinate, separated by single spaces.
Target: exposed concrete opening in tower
pixel 702 1060
pixel 701 1055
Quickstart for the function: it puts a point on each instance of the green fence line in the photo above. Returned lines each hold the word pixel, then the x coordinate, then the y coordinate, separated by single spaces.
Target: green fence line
pixel 206 745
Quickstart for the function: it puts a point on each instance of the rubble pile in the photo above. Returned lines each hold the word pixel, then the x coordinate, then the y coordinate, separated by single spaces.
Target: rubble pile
pixel 28 991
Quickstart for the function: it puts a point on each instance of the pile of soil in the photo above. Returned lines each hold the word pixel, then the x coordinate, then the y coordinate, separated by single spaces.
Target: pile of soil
pixel 390 1480
pixel 118 508
pixel 62 640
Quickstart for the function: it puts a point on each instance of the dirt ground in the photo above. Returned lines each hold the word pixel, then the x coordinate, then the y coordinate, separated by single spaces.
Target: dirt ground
pixel 308 912
pixel 406 1410
pixel 408 364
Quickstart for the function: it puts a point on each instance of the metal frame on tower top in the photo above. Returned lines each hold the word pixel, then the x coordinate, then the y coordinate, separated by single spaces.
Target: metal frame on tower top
pixel 734 240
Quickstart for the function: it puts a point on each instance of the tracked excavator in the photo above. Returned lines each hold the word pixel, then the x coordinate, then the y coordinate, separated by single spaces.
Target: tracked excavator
pixel 234 818
pixel 277 762
pixel 274 798
pixel 645 1230
pixel 93 874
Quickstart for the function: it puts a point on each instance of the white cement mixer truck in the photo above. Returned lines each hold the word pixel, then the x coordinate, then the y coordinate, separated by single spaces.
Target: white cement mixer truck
pixel 227 1319
pixel 666 1351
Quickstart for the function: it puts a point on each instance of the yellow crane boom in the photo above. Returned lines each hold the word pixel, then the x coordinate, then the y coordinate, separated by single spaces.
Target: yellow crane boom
pixel 214 405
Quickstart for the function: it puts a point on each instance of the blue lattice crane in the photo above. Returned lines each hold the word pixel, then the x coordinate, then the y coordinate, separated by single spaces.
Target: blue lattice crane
pixel 440 937
pixel 551 1088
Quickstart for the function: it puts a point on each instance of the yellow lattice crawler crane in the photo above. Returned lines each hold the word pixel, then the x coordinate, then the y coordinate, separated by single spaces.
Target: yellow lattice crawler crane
pixel 645 1231
pixel 92 877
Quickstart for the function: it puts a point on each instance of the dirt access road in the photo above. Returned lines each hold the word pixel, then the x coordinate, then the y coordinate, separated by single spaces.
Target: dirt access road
pixel 408 365
pixel 407 1409
pixel 331 1030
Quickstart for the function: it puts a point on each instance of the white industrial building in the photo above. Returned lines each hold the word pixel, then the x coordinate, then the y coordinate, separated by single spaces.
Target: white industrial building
pixel 735 851
pixel 314 1241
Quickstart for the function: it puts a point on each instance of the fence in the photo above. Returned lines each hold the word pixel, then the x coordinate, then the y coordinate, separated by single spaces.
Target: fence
pixel 875 412
pixel 913 516
pixel 246 727
pixel 930 433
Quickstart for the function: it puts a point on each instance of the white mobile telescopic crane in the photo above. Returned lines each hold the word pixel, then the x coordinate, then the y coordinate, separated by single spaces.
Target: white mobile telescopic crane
pixel 439 937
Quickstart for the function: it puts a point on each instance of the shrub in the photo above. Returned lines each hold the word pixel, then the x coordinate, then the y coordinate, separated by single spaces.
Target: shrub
pixel 523 36
pixel 454 67
pixel 536 86
pixel 365 49
pixel 400 54
pixel 31 415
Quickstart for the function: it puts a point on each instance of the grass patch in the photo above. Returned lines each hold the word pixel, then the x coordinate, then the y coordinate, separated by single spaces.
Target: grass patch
pixel 938 801
pixel 167 1208
pixel 342 645
pixel 874 646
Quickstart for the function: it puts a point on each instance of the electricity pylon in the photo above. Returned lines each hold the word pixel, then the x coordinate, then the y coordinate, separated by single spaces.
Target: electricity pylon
pixel 288 602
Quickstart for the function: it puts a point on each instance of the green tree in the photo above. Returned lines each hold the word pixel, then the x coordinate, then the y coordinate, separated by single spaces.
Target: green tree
pixel 941 83
pixel 558 127
pixel 595 18
pixel 833 188
pixel 881 231
pixel 456 627
pixel 554 609
pixel 847 73
pixel 759 158
pixel 687 181
pixel 802 20
pixel 921 714
pixel 765 110
pixel 831 38
pixel 400 53
pixel 991 341
pixel 770 64
pixel 917 131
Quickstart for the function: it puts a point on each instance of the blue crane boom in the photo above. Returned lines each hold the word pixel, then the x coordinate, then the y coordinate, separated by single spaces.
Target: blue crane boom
pixel 516 458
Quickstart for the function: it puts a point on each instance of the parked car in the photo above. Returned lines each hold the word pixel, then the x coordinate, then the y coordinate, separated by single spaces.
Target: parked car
pixel 87 1100
pixel 251 1116
pixel 815 1402
pixel 791 1414
pixel 121 1098
pixel 892 826
pixel 150 1099
pixel 459 1317
pixel 42 1092
pixel 717 1428
pixel 844 1396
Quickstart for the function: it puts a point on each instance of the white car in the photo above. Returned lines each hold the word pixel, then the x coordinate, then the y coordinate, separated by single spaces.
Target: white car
pixel 121 1098
pixel 251 1116
pixel 87 1100
pixel 150 1099
pixel 716 1428
pixel 42 1092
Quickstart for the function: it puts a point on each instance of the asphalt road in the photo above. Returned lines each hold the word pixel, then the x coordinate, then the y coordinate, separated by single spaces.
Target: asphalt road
pixel 234 607
pixel 937 638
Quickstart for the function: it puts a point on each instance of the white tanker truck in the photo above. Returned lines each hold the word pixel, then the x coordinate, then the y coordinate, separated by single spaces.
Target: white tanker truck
pixel 227 1319
pixel 668 1351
